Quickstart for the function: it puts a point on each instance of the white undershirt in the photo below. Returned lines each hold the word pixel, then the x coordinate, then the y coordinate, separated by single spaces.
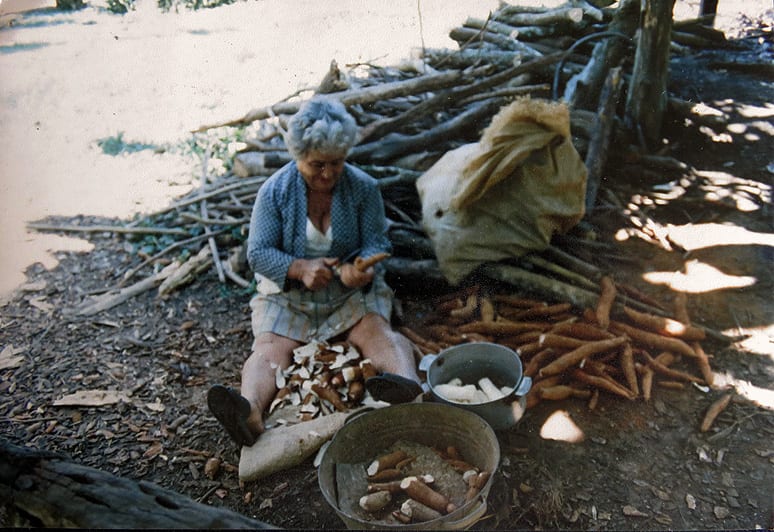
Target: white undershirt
pixel 318 244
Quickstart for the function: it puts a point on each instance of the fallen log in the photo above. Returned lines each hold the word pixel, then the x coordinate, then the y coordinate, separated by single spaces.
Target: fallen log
pixel 43 489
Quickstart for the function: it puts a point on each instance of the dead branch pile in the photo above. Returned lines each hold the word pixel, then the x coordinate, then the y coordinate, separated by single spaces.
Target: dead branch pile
pixel 413 113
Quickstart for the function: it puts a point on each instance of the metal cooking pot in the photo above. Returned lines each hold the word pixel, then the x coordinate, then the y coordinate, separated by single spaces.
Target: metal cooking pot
pixel 431 424
pixel 474 361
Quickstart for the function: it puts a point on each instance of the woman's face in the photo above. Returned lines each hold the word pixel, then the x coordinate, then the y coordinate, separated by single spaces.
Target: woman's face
pixel 321 171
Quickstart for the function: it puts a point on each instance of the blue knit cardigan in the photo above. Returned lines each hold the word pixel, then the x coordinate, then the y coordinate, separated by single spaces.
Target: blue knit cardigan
pixel 277 233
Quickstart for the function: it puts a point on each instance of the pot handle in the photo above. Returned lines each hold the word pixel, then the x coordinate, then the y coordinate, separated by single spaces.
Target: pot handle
pixel 424 363
pixel 524 386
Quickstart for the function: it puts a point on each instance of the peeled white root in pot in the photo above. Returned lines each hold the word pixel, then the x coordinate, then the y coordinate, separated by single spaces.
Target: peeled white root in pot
pixel 484 392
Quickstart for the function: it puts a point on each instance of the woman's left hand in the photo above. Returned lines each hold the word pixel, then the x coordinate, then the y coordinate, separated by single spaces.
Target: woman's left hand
pixel 351 277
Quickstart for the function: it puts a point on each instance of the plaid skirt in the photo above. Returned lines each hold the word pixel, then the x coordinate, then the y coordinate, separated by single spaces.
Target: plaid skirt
pixel 306 315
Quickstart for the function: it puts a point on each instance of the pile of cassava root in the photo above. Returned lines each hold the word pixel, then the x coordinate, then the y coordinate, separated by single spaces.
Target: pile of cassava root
pixel 571 352
pixel 411 483
pixel 323 378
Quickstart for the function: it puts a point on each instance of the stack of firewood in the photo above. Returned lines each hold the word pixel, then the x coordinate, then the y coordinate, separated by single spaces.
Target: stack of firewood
pixel 413 113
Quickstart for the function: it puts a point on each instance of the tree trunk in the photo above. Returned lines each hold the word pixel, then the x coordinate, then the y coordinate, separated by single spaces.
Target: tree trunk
pixel 647 98
pixel 709 7
pixel 43 489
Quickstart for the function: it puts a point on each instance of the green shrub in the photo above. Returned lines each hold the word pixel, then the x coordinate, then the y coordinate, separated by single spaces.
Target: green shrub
pixel 70 5
pixel 168 5
pixel 120 6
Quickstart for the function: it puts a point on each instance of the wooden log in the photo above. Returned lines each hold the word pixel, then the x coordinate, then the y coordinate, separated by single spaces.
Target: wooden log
pixel 252 163
pixel 186 271
pixel 532 282
pixel 646 100
pixel 465 58
pixel 394 145
pixel 709 8
pixel 691 39
pixel 559 15
pixel 465 35
pixel 596 156
pixel 43 489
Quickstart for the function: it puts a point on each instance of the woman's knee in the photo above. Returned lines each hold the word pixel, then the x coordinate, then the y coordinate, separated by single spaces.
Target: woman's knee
pixel 370 326
pixel 273 348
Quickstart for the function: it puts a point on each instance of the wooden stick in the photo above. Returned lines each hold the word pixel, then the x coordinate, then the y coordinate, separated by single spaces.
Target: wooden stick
pixel 140 230
pixel 204 213
pixel 106 301
pixel 646 383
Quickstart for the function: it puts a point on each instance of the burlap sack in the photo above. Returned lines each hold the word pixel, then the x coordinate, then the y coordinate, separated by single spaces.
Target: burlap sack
pixel 507 194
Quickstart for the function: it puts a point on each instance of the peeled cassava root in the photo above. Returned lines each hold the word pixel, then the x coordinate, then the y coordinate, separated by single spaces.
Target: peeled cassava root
pixel 483 391
pixel 411 496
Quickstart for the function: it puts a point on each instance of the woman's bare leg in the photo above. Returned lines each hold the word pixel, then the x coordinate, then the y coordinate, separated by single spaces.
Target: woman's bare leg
pixel 388 350
pixel 258 383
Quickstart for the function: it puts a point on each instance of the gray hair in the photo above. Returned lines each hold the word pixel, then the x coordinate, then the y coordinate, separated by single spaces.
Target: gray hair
pixel 321 124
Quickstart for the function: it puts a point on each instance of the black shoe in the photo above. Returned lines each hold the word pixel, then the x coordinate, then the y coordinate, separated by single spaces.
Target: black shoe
pixel 392 388
pixel 232 410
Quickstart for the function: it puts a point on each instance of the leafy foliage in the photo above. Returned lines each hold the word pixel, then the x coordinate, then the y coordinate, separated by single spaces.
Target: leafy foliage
pixel 168 5
pixel 120 6
pixel 70 5
pixel 116 145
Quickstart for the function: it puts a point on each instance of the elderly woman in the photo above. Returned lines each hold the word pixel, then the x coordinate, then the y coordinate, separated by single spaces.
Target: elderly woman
pixel 309 218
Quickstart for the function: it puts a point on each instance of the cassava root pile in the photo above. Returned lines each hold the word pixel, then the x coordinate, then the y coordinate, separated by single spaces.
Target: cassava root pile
pixel 323 378
pixel 570 352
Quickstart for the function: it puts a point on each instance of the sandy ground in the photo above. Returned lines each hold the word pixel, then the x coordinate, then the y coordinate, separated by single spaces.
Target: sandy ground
pixel 70 79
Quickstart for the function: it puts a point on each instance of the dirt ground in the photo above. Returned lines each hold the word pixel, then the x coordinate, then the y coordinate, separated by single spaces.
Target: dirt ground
pixel 640 466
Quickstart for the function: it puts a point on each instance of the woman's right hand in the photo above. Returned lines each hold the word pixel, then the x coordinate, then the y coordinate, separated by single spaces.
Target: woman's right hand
pixel 314 273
